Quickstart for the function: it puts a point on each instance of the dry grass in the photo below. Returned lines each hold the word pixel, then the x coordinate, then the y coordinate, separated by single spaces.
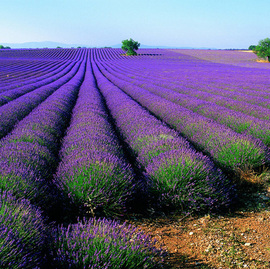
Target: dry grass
pixel 249 178
pixel 246 50
pixel 262 61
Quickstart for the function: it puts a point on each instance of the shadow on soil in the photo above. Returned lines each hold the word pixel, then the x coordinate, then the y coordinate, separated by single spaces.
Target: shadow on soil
pixel 178 260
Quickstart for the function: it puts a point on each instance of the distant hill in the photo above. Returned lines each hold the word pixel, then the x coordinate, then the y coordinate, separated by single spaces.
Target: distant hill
pixel 51 44
pixel 44 44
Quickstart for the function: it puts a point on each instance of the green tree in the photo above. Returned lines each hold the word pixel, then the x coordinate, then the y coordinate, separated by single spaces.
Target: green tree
pixel 3 47
pixel 129 45
pixel 252 47
pixel 263 49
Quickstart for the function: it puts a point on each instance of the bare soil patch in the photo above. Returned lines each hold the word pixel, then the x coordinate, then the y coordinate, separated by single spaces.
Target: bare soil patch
pixel 240 239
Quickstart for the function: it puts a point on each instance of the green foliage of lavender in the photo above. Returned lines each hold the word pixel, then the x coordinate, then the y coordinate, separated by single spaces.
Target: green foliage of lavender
pixel 101 244
pixel 189 183
pixel 244 154
pixel 18 177
pixel 102 186
pixel 22 234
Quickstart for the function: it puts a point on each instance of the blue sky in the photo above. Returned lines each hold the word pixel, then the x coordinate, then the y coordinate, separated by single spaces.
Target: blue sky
pixel 192 23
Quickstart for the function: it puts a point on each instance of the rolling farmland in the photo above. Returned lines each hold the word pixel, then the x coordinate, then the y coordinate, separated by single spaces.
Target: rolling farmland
pixel 92 135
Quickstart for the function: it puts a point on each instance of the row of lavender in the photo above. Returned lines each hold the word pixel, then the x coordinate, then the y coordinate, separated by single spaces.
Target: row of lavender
pixel 29 155
pixel 33 84
pixel 176 175
pixel 18 54
pixel 95 176
pixel 27 241
pixel 26 153
pixel 230 150
pixel 36 74
pixel 236 120
pixel 14 75
pixel 209 82
pixel 16 71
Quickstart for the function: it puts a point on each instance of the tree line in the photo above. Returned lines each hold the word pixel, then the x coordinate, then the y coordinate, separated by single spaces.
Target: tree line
pixel 3 47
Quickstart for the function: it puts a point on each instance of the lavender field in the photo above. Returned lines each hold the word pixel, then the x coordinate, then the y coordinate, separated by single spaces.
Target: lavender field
pixel 88 136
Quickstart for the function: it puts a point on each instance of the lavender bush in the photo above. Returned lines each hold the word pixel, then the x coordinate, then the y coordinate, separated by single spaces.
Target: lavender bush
pixel 22 234
pixel 101 243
